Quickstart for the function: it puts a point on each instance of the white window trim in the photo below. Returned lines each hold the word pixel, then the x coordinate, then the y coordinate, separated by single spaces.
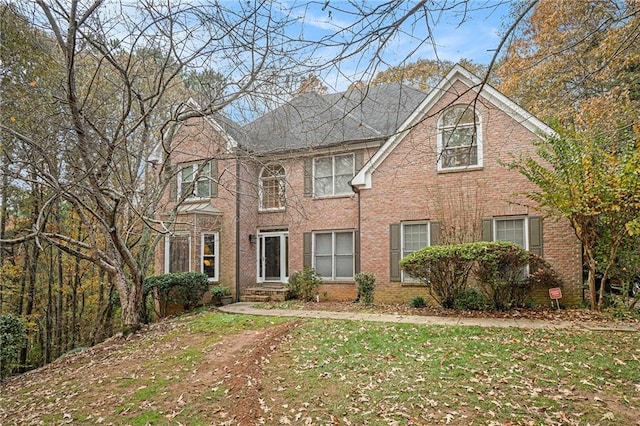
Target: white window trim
pixel 167 241
pixel 192 197
pixel 333 175
pixel 333 254
pixel 525 228
pixel 261 191
pixel 403 278
pixel 479 140
pixel 216 255
pixel 525 219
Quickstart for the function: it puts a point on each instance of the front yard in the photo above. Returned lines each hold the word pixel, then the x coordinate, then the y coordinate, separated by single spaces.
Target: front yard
pixel 214 368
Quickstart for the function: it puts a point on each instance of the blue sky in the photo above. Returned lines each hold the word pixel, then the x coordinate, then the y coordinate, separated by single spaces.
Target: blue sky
pixel 475 38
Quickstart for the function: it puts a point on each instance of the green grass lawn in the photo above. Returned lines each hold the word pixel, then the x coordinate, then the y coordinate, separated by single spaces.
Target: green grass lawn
pixel 402 374
pixel 337 372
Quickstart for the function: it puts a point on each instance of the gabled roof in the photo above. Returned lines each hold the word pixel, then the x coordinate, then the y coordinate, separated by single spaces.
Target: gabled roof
pixel 486 92
pixel 314 121
pixel 229 130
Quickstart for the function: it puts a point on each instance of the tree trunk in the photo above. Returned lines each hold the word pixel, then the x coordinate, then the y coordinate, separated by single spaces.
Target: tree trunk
pixel 59 305
pixel 31 292
pixel 130 301
pixel 75 283
pixel 3 223
pixel 591 267
pixel 50 310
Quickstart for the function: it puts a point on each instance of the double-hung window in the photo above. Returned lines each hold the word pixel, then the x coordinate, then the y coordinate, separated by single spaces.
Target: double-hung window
pixel 333 254
pixel 459 138
pixel 272 188
pixel 177 253
pixel 209 255
pixel 511 229
pixel 415 235
pixel 332 175
pixel 201 188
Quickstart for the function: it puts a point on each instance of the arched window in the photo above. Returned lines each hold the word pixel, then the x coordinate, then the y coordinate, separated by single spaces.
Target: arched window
pixel 272 188
pixel 459 138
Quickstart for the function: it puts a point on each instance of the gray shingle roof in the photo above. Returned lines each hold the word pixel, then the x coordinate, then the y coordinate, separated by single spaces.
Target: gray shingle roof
pixel 314 121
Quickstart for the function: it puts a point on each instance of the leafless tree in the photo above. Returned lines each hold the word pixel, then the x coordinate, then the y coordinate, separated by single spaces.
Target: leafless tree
pixel 122 93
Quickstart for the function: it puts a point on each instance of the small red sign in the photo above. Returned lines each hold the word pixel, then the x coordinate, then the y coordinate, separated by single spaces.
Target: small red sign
pixel 555 293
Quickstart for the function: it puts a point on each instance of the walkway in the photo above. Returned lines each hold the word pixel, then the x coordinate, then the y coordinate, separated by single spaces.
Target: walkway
pixel 248 308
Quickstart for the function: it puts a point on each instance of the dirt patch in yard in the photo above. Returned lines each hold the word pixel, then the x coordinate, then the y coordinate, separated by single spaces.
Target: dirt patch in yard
pixel 166 374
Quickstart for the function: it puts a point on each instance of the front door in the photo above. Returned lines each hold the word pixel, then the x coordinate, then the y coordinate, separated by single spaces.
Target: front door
pixel 273 263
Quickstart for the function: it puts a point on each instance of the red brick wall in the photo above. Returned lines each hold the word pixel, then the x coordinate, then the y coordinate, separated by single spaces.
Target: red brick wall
pixel 193 141
pixel 406 186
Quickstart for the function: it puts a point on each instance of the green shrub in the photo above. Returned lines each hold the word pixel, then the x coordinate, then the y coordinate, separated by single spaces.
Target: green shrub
pixel 541 274
pixel 500 269
pixel 501 274
pixel 12 338
pixel 444 269
pixel 470 299
pixel 219 291
pixel 506 274
pixel 366 286
pixel 181 288
pixel 303 285
pixel 417 302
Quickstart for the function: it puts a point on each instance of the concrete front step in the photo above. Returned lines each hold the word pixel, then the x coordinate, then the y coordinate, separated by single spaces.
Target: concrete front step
pixel 254 298
pixel 264 294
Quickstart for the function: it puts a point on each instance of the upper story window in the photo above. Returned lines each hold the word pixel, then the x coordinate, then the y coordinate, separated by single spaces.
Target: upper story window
pixel 332 175
pixel 272 188
pixel 459 138
pixel 198 180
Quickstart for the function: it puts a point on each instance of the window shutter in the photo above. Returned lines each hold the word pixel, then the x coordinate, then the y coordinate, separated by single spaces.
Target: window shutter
pixel 535 235
pixel 173 184
pixel 356 251
pixel 434 233
pixel 213 178
pixel 308 177
pixel 487 229
pixel 394 252
pixel 306 250
pixel 358 160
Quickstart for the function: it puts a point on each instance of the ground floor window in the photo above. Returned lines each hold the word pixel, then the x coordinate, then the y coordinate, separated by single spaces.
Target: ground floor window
pixel 209 258
pixel 415 235
pixel 511 229
pixel 333 257
pixel 177 253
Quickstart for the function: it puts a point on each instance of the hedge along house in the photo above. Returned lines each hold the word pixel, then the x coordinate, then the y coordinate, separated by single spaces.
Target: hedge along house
pixel 353 182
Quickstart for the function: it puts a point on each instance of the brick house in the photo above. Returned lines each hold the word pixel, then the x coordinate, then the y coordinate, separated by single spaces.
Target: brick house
pixel 353 182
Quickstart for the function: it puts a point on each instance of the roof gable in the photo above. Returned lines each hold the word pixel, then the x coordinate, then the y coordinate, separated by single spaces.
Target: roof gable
pixel 230 132
pixel 475 85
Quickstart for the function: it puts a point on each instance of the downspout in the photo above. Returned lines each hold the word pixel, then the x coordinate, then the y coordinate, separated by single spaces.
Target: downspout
pixel 237 298
pixel 356 190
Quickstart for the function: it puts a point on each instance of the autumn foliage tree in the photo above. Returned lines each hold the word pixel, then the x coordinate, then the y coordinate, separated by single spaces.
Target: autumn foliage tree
pixel 590 180
pixel 577 65
pixel 423 74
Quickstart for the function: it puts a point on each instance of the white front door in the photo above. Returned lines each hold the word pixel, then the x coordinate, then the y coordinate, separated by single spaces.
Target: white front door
pixel 273 257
